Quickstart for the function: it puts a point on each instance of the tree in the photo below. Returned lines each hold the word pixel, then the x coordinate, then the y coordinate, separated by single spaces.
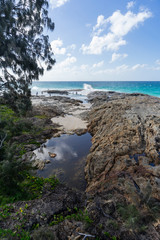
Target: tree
pixel 24 49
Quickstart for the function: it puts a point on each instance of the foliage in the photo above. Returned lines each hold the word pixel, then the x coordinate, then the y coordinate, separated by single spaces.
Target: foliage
pixel 23 49
pixel 40 116
pixel 130 215
pixel 27 188
pixel 78 215
pixel 113 224
pixel 15 179
pixel 43 233
pixel 9 234
pixel 12 168
pixel 12 172
pixel 33 186
pixel 11 125
pixel 5 211
pixel 109 236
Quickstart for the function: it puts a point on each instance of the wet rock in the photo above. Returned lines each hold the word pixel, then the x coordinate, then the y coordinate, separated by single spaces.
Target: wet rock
pixel 57 92
pixel 47 161
pixel 52 155
pixel 80 132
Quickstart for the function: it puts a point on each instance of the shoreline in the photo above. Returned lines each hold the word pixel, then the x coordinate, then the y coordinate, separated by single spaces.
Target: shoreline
pixel 145 87
pixel 122 169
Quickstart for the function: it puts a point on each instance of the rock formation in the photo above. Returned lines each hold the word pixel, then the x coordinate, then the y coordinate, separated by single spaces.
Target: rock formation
pixel 123 167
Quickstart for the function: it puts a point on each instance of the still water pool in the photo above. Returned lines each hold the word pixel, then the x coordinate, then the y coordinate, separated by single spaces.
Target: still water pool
pixel 70 153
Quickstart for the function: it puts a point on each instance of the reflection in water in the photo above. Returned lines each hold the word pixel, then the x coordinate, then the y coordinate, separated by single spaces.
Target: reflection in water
pixel 68 165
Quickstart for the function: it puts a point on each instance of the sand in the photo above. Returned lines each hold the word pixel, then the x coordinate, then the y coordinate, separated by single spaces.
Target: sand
pixel 70 123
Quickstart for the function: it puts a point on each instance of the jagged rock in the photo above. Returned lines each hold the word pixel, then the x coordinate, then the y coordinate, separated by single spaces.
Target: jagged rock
pixel 41 211
pixel 123 164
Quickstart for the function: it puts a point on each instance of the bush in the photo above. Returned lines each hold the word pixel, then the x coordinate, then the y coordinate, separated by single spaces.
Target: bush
pixel 13 171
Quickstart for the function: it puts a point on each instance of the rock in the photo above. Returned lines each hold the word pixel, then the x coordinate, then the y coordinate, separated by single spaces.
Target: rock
pixel 123 164
pixel 40 212
pixel 52 155
pixel 57 92
pixel 47 161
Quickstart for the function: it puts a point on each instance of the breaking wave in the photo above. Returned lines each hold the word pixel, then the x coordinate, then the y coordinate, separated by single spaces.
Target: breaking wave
pixel 87 88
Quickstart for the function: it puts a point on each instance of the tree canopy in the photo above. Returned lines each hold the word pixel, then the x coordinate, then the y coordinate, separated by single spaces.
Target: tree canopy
pixel 24 48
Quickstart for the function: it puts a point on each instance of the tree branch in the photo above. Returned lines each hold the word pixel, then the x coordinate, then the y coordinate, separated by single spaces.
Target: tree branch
pixel 3 139
pixel 86 235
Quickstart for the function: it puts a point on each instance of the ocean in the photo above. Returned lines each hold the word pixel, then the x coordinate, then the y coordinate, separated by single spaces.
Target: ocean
pixel 151 88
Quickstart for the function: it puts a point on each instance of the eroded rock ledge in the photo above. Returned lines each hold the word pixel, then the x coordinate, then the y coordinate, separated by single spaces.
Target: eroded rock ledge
pixel 123 167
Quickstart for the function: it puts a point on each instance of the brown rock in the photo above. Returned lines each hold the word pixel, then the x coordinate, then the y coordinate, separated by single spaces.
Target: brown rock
pixel 123 164
pixel 52 155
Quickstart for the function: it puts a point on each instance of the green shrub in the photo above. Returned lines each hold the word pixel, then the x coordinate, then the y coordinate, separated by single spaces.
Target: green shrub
pixel 33 186
pixel 10 235
pixel 12 172
pixel 130 215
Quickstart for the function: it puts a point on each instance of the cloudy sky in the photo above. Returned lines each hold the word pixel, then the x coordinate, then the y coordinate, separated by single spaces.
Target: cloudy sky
pixel 104 40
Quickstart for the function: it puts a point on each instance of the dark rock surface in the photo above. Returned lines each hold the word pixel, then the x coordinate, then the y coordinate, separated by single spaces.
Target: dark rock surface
pixel 61 92
pixel 61 200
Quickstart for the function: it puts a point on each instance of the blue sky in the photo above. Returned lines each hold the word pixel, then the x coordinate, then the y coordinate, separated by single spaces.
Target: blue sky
pixel 104 40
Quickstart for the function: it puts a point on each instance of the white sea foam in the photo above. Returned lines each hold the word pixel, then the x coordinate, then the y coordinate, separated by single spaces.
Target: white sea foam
pixel 87 88
pixel 35 90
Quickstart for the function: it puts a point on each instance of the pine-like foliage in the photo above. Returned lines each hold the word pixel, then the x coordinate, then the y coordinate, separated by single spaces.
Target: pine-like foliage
pixel 24 49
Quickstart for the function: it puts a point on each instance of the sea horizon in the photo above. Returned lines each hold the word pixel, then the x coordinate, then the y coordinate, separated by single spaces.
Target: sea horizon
pixel 146 87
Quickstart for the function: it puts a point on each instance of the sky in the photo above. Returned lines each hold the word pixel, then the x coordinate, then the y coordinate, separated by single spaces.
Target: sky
pixel 105 40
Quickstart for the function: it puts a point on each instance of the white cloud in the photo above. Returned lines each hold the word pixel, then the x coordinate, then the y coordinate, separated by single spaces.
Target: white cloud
pixel 116 70
pixel 135 67
pixel 57 3
pixel 116 56
pixel 84 67
pixel 57 47
pixel 88 25
pixel 120 26
pixel 99 64
pixel 99 27
pixel 66 63
pixel 99 44
pixel 123 67
pixel 72 47
pixel 130 4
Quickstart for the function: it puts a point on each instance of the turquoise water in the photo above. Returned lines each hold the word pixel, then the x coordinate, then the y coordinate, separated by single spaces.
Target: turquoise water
pixel 151 88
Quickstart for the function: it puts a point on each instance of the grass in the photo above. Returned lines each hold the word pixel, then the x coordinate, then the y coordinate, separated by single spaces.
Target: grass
pixel 31 188
pixel 34 185
pixel 78 215
pixel 40 116
pixel 9 234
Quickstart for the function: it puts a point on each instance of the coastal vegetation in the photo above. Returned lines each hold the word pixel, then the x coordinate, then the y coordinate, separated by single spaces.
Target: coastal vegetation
pixel 16 175
pixel 24 49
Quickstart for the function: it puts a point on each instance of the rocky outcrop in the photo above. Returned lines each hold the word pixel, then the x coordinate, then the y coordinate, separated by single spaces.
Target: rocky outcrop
pixel 60 92
pixel 36 216
pixel 123 167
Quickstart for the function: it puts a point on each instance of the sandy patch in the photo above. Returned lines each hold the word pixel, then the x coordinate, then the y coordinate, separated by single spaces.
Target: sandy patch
pixel 70 123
